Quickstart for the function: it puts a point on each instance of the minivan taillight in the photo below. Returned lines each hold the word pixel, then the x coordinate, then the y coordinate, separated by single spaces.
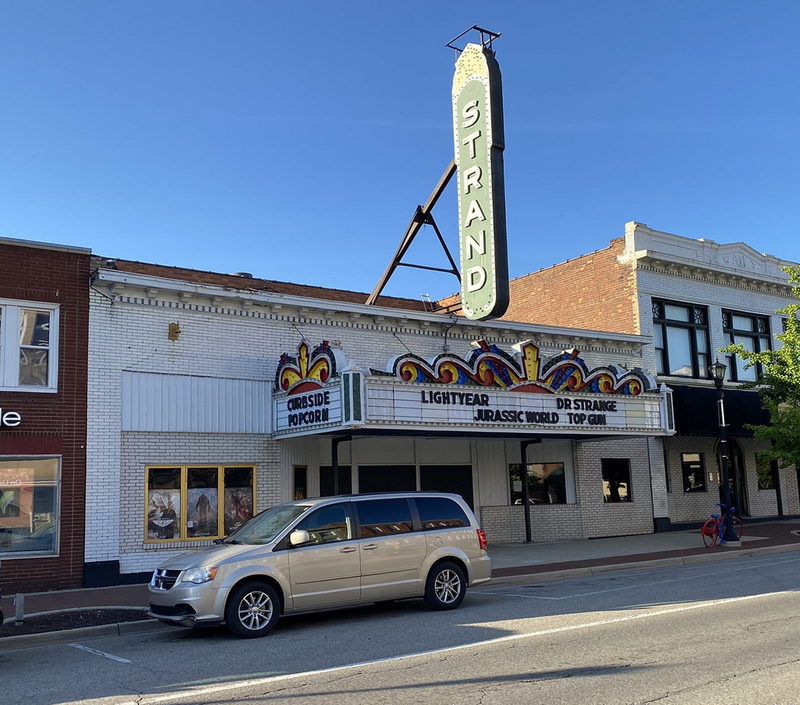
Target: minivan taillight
pixel 481 539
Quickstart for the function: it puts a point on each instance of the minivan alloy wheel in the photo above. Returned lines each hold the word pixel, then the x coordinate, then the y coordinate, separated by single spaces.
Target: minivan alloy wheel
pixel 445 586
pixel 253 610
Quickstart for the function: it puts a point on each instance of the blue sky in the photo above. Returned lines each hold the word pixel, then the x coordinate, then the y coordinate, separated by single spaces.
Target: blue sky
pixel 293 140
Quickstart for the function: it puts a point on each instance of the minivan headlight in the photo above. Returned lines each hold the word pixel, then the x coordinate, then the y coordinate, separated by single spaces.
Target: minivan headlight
pixel 199 575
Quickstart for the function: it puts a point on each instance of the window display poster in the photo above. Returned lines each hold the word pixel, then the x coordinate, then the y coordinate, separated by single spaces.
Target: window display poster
pixel 201 512
pixel 9 503
pixel 164 508
pixel 238 507
pixel 16 498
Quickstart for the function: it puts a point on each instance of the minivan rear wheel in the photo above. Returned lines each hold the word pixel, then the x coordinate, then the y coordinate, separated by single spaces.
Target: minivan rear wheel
pixel 253 610
pixel 445 586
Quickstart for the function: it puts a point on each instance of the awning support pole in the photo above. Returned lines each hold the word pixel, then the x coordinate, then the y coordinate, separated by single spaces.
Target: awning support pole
pixel 335 441
pixel 523 473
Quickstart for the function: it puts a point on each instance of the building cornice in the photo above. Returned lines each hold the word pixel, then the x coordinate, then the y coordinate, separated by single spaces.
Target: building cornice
pixel 147 289
pixel 710 276
pixel 730 264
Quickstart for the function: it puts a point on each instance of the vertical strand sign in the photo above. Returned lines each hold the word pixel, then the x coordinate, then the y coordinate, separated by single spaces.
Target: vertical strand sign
pixel 479 143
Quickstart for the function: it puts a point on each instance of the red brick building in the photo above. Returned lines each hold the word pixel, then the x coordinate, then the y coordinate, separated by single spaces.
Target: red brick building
pixel 44 319
pixel 595 291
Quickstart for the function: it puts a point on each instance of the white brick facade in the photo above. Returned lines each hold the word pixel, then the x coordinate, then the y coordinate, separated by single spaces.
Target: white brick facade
pixel 231 335
pixel 142 449
pixel 733 277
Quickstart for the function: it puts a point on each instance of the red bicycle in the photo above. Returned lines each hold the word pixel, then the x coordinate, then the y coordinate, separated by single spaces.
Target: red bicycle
pixel 714 528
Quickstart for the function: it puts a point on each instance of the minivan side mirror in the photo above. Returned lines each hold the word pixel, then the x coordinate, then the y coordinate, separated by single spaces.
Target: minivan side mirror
pixel 299 537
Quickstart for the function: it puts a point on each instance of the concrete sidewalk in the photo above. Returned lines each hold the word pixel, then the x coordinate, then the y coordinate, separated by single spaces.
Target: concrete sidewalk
pixel 668 547
pixel 509 562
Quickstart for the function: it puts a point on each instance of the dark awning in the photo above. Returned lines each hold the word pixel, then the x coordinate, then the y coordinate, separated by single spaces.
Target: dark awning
pixel 696 411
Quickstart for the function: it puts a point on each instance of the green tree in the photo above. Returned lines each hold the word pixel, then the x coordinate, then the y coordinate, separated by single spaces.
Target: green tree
pixel 779 384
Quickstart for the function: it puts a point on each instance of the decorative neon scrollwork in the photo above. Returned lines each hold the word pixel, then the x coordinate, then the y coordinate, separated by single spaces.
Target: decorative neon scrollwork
pixel 305 372
pixel 489 366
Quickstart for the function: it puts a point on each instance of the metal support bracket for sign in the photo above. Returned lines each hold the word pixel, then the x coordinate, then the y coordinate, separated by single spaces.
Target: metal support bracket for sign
pixel 422 216
pixel 487 38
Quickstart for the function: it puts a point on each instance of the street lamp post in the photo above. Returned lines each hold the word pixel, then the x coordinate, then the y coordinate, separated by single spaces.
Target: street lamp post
pixel 717 371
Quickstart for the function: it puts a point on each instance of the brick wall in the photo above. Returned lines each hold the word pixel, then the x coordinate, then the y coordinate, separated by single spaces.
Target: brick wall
pixel 615 518
pixel 53 423
pixel 590 516
pixel 696 506
pixel 139 450
pixel 549 522
pixel 593 291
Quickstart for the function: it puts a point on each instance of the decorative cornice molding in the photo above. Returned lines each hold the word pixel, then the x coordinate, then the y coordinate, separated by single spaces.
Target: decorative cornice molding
pixel 153 291
pixel 734 264
pixel 549 342
pixel 711 276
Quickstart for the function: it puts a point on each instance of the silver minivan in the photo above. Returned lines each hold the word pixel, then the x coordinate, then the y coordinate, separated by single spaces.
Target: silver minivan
pixel 316 554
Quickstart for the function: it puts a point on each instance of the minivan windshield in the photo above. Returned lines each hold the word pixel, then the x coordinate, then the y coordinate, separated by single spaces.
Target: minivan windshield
pixel 264 527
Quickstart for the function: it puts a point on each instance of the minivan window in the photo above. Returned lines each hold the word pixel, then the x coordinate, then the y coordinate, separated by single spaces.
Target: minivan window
pixel 382 517
pixel 440 513
pixel 326 525
pixel 264 527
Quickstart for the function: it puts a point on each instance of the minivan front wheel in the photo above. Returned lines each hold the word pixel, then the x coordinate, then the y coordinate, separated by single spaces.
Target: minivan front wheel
pixel 445 586
pixel 253 610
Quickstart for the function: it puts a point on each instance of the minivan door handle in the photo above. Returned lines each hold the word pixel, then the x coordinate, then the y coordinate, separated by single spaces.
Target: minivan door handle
pixel 370 547
pixel 347 549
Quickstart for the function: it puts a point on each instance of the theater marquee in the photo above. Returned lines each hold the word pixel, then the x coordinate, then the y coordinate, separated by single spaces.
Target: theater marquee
pixel 495 410
pixel 501 392
pixel 314 392
pixel 490 391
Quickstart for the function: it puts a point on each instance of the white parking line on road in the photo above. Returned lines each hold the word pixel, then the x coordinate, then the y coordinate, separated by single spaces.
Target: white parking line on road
pixel 99 653
pixel 636 586
pixel 258 682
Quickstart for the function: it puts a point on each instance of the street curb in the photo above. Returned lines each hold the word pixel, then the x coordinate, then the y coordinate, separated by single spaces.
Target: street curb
pixel 24 641
pixel 42 613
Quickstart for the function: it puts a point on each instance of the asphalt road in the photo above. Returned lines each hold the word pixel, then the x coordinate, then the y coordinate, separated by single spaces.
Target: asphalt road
pixel 725 632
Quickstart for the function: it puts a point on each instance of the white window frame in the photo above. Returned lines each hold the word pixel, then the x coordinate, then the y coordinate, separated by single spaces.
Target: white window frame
pixel 9 346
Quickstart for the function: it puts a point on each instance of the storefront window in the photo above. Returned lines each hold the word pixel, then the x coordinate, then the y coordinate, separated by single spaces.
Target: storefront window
pixel 239 497
pixel 29 506
pixel 197 502
pixel 767 472
pixel 616 479
pixel 694 473
pixel 164 503
pixel 546 483
pixel 202 502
